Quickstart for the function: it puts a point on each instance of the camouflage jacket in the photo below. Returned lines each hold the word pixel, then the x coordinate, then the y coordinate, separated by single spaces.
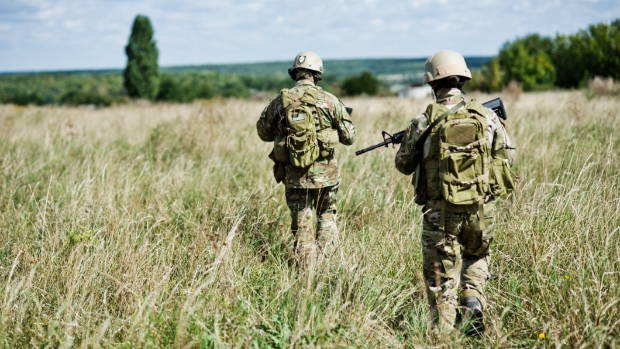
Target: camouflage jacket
pixel 501 146
pixel 324 172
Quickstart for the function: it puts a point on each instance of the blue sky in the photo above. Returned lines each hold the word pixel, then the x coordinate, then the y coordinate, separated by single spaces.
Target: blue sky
pixel 38 35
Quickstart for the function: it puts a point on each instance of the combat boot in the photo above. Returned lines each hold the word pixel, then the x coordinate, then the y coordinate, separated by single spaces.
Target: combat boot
pixel 472 317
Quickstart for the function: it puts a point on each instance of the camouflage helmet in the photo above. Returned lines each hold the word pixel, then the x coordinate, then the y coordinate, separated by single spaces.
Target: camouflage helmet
pixel 443 64
pixel 307 60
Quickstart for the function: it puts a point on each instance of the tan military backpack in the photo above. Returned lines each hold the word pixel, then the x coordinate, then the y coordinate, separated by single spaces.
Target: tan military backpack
pixel 300 116
pixel 464 155
pixel 458 165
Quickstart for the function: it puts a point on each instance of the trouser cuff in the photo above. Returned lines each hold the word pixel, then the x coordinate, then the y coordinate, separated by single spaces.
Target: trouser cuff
pixel 471 293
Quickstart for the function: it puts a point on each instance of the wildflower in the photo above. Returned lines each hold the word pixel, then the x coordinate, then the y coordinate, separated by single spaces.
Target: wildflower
pixel 541 335
pixel 566 277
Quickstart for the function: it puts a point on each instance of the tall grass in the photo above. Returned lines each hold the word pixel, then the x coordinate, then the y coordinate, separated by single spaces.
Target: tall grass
pixel 156 225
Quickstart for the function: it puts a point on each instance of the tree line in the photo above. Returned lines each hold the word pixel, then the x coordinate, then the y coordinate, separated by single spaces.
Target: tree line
pixel 565 61
pixel 534 62
pixel 142 78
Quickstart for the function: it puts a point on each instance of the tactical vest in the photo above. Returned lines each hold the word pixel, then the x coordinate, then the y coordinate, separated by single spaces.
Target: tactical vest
pixel 457 166
pixel 307 135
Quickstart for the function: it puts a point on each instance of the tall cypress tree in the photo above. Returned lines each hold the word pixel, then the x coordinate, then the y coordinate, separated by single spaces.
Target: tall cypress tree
pixel 141 76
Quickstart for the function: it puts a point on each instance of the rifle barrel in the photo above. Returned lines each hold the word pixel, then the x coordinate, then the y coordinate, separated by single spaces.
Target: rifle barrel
pixel 496 105
pixel 382 144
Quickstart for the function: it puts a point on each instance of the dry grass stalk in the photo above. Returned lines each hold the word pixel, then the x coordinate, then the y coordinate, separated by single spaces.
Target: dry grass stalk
pixel 512 91
pixel 599 86
pixel 112 217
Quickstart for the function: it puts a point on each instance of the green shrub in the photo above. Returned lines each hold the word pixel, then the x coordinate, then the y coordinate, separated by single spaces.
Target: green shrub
pixel 366 83
pixel 184 88
pixel 24 98
pixel 78 97
pixel 234 88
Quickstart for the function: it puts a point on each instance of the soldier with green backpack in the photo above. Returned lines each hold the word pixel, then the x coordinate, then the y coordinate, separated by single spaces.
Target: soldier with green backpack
pixel 305 124
pixel 460 158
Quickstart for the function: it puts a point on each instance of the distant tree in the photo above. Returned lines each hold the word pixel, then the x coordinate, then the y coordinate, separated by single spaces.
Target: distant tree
pixel 366 83
pixel 566 61
pixel 488 79
pixel 569 60
pixel 527 61
pixel 141 76
pixel 602 45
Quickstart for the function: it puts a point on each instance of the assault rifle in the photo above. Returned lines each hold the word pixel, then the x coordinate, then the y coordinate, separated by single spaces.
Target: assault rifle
pixel 496 105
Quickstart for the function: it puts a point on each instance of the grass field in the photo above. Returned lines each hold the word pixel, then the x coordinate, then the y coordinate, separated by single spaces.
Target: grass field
pixel 159 225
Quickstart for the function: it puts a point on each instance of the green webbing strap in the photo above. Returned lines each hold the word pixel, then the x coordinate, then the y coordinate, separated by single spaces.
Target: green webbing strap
pixel 419 145
pixel 442 216
pixel 453 180
pixel 467 147
pixel 292 105
pixel 481 214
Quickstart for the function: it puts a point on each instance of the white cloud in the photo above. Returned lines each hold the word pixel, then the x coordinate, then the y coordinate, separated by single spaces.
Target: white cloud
pixel 253 6
pixel 44 33
pixel 73 25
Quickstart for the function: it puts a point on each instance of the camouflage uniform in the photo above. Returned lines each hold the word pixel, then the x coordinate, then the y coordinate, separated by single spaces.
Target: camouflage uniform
pixel 314 187
pixel 458 255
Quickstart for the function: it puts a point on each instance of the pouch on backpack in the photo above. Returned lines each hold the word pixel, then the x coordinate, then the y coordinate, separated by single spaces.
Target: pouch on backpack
pixel 501 178
pixel 280 149
pixel 327 139
pixel 301 141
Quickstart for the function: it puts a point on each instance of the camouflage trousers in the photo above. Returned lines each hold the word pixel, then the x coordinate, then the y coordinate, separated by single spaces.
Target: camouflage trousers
pixel 455 261
pixel 304 204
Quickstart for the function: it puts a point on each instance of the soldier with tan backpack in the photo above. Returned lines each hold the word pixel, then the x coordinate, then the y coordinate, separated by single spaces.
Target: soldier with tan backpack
pixel 460 158
pixel 305 124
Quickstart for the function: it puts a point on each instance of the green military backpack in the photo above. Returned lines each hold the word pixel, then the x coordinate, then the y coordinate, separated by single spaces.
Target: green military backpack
pixel 457 168
pixel 464 155
pixel 300 119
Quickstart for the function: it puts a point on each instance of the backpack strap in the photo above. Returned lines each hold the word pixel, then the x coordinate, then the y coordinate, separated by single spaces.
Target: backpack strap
pixel 286 97
pixel 481 223
pixel 419 145
pixel 292 105
pixel 470 146
pixel 480 179
pixel 476 106
pixel 310 96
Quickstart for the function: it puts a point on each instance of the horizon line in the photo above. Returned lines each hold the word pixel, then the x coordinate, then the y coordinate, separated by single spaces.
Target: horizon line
pixel 115 70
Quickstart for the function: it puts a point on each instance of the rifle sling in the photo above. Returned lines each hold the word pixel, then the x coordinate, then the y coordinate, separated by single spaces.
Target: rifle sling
pixel 419 145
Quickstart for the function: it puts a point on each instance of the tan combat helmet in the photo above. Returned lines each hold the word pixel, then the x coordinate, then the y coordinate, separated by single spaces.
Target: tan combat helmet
pixel 443 64
pixel 307 60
